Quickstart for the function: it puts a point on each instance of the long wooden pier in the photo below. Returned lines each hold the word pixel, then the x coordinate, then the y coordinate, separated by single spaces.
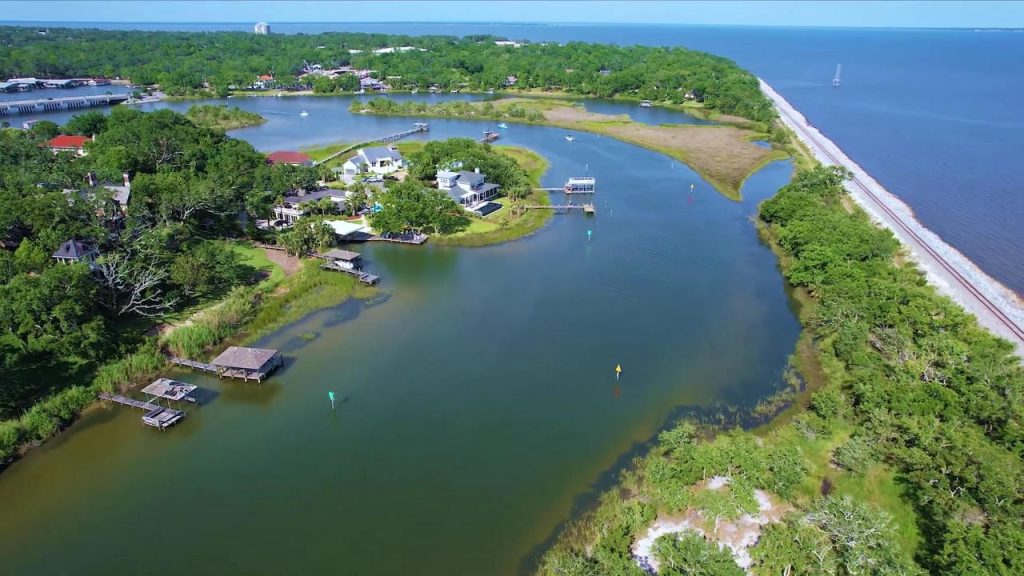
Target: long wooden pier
pixel 364 277
pixel 156 416
pixel 418 128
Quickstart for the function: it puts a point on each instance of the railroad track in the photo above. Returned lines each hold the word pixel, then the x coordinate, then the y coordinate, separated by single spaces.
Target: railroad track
pixel 999 315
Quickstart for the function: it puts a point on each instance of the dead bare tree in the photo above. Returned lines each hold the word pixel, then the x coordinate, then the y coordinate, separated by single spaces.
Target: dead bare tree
pixel 132 286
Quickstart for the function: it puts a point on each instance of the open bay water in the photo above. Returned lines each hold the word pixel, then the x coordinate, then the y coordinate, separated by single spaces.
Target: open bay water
pixel 477 402
pixel 933 115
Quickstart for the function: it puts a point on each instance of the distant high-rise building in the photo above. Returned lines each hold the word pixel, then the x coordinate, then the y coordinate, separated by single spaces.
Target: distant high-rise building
pixel 262 28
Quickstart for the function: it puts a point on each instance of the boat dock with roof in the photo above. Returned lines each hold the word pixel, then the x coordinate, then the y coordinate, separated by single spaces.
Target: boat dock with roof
pixel 238 362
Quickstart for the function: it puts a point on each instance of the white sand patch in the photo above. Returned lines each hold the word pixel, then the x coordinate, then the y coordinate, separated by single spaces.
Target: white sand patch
pixel 716 482
pixel 995 306
pixel 738 535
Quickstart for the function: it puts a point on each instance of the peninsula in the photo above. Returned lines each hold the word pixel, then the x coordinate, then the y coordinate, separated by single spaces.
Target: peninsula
pixel 723 154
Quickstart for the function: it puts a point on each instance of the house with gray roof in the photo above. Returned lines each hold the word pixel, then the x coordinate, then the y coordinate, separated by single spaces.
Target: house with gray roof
pixel 470 190
pixel 375 160
pixel 294 206
pixel 76 252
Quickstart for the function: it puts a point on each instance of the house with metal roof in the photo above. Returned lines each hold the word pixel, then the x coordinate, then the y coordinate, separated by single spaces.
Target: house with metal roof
pixel 76 252
pixel 289 157
pixel 375 160
pixel 68 143
pixel 470 190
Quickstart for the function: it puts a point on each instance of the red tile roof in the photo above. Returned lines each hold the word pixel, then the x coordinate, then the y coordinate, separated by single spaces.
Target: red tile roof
pixel 287 157
pixel 69 142
pixel 266 77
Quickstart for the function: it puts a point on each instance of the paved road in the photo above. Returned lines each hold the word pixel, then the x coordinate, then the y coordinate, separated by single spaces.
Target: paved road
pixel 996 307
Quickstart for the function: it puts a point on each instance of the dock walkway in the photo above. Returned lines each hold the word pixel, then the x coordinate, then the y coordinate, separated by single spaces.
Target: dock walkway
pixel 419 127
pixel 156 416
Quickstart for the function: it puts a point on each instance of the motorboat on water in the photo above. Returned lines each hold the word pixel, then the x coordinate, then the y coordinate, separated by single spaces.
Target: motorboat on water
pixel 304 114
pixel 569 138
pixel 502 125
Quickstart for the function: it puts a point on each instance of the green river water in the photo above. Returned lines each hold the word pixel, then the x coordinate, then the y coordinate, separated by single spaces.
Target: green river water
pixel 478 404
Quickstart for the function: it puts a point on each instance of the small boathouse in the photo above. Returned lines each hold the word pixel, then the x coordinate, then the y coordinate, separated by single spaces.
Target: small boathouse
pixel 171 390
pixel 247 363
pixel 585 185
pixel 348 262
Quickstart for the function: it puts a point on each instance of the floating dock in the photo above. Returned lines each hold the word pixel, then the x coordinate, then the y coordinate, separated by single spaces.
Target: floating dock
pixel 156 416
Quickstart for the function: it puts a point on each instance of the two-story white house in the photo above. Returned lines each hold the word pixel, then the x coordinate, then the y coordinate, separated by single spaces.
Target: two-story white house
pixel 375 160
pixel 469 189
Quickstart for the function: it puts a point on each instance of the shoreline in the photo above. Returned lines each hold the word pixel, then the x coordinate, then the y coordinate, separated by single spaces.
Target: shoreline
pixel 954 275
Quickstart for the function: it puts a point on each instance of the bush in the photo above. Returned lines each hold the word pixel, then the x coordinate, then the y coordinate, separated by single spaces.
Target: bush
pixel 855 454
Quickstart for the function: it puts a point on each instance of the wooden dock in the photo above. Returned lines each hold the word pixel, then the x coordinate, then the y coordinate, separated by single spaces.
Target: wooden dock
pixel 418 128
pixel 416 239
pixel 201 366
pixel 588 208
pixel 156 416
pixel 364 277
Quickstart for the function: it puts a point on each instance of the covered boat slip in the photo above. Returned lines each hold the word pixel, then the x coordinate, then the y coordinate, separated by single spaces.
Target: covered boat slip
pixel 238 362
pixel 171 390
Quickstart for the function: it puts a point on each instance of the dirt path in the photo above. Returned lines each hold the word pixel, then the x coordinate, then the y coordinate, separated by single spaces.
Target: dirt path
pixel 290 264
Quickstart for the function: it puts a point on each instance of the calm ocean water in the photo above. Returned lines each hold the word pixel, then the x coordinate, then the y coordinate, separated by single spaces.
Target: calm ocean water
pixel 933 114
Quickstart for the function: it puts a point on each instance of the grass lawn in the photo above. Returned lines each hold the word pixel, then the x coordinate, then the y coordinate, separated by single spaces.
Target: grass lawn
pixel 257 258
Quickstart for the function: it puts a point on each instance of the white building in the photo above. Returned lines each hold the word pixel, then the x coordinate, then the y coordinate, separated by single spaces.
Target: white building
pixel 374 159
pixel 261 28
pixel 295 206
pixel 468 189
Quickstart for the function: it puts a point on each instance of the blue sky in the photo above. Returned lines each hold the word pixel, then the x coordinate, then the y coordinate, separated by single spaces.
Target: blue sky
pixel 766 13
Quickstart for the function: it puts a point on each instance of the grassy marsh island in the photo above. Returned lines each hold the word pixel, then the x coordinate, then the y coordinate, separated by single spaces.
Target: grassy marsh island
pixel 724 155
pixel 223 118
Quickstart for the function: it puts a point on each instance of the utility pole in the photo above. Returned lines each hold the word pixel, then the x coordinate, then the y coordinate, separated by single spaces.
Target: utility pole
pixel 837 80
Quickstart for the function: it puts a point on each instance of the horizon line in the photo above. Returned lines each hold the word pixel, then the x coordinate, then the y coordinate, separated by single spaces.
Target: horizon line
pixel 72 23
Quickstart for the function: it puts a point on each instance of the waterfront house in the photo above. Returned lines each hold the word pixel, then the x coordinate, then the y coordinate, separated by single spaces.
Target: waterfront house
pixel 263 82
pixel 76 252
pixel 297 205
pixel 370 83
pixel 374 159
pixel 289 157
pixel 67 143
pixel 469 189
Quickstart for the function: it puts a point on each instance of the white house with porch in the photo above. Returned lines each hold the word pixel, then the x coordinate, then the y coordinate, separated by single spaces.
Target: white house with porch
pixel 469 189
pixel 375 160
pixel 294 207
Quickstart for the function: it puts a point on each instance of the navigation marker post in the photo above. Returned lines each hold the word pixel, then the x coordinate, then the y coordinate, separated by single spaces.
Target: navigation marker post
pixel 589 234
pixel 618 371
pixel 330 395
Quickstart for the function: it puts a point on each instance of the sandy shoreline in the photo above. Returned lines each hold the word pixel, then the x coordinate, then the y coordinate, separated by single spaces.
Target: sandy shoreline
pixel 996 306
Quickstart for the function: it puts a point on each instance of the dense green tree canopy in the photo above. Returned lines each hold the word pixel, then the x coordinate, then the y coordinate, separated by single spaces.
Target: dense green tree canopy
pixel 186 61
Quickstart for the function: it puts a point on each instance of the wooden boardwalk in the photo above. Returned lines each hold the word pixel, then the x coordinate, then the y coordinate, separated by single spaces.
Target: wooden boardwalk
pixel 419 127
pixel 201 366
pixel 156 416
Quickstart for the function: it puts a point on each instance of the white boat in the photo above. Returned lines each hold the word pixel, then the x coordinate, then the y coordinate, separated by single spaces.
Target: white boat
pixel 569 138
pixel 415 90
pixel 503 125
pixel 304 114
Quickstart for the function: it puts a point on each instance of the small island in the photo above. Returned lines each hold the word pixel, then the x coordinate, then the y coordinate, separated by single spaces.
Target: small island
pixel 222 118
